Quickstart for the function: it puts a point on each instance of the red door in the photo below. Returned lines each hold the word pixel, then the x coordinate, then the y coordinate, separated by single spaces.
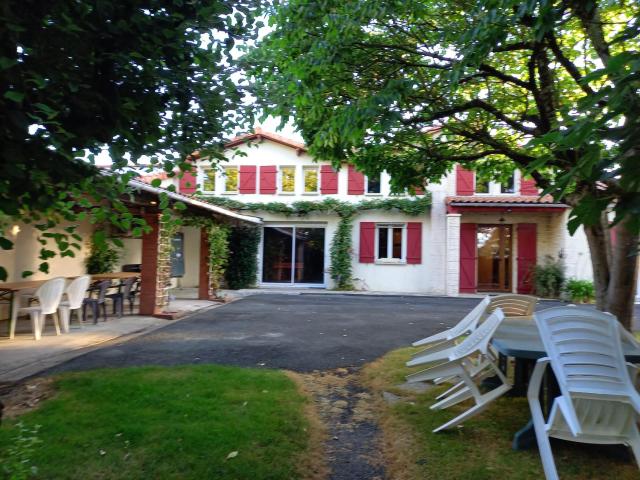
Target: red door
pixel 527 254
pixel 468 253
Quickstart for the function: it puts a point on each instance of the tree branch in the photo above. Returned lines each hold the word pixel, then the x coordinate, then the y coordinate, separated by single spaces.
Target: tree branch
pixel 568 65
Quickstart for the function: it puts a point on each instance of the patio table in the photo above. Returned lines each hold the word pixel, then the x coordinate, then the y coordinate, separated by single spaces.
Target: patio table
pixel 10 291
pixel 520 339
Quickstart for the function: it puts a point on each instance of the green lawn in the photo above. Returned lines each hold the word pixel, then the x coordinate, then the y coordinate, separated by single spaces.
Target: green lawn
pixel 481 449
pixel 179 422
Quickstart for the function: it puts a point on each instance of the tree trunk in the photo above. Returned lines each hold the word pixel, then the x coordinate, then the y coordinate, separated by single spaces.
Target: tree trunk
pixel 615 269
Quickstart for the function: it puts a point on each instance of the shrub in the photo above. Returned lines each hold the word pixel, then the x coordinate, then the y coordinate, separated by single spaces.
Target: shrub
pixel 549 278
pixel 580 290
pixel 103 257
pixel 242 267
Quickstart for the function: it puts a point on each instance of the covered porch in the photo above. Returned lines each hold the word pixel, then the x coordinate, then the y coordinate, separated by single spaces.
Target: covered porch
pixel 493 243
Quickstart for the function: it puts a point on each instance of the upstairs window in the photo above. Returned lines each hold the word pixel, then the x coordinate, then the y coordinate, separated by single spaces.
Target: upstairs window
pixel 310 179
pixel 287 179
pixel 231 180
pixel 483 186
pixel 391 241
pixel 372 184
pixel 508 186
pixel 208 180
pixel 496 188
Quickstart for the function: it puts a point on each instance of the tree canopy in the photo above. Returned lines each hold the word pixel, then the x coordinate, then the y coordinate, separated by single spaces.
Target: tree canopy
pixel 414 86
pixel 143 78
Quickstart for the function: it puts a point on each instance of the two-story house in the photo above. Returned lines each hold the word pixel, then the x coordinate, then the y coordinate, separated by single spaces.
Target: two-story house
pixel 475 237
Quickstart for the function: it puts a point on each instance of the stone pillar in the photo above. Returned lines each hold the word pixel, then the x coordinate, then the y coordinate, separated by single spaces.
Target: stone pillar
pixel 452 282
pixel 204 287
pixel 156 266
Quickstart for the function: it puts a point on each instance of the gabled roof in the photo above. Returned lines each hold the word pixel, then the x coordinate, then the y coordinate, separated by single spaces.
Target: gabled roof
pixel 258 135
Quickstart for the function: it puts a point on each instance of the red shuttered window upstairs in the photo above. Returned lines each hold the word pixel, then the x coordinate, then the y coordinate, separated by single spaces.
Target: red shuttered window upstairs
pixel 247 179
pixel 328 180
pixel 465 181
pixel 188 182
pixel 268 174
pixel 414 242
pixel 356 182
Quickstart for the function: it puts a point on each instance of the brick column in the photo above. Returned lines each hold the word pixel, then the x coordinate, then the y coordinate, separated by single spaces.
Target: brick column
pixel 149 273
pixel 204 289
pixel 453 254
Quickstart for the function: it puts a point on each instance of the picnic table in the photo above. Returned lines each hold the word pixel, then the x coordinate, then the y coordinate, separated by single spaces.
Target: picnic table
pixel 11 292
pixel 520 339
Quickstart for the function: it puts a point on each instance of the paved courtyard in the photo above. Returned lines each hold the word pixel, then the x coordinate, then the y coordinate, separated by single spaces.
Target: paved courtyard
pixel 297 332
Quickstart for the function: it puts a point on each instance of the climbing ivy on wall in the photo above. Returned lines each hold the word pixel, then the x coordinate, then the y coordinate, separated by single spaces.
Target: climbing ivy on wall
pixel 341 244
pixel 243 256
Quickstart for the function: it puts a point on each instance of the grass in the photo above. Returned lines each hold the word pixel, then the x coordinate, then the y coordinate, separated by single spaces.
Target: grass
pixel 180 422
pixel 481 449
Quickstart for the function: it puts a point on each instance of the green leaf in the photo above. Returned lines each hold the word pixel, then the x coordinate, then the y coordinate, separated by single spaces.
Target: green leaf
pixel 14 96
pixel 5 243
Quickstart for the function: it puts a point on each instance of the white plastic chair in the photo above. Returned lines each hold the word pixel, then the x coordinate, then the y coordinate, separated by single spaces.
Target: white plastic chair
pixel 461 365
pixel 76 291
pixel 464 326
pixel 598 402
pixel 49 295
pixel 514 305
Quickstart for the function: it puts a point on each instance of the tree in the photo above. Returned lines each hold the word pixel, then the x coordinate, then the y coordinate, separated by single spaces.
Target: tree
pixel 143 78
pixel 414 86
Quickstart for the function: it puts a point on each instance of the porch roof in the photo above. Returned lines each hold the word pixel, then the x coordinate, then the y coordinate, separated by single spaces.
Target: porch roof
pixel 521 203
pixel 192 202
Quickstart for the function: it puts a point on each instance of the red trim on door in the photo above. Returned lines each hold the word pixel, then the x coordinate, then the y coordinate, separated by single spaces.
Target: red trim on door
pixel 268 179
pixel 414 242
pixel 528 186
pixel 527 256
pixel 468 258
pixel 247 179
pixel 367 242
pixel 356 182
pixel 328 180
pixel 465 181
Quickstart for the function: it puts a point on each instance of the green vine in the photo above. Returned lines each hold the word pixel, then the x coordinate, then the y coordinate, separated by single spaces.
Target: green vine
pixel 341 244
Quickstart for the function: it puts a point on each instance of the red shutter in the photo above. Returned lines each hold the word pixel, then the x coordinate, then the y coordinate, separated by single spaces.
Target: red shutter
pixel 414 242
pixel 419 191
pixel 328 180
pixel 528 186
pixel 356 182
pixel 465 181
pixel 468 260
pixel 527 255
pixel 367 242
pixel 268 179
pixel 247 179
pixel 188 182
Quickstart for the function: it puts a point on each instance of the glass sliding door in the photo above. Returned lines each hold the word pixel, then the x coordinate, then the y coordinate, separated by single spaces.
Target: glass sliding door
pixel 277 255
pixel 293 255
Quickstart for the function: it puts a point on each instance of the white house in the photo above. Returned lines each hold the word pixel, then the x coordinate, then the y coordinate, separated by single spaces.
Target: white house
pixel 473 238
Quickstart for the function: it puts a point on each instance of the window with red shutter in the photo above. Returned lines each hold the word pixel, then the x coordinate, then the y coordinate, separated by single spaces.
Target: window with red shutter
pixel 268 183
pixel 414 242
pixel 528 186
pixel 367 242
pixel 247 179
pixel 356 182
pixel 328 180
pixel 465 181
pixel 188 182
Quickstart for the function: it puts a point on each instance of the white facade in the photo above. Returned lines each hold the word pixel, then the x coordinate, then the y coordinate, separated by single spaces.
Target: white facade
pixel 439 268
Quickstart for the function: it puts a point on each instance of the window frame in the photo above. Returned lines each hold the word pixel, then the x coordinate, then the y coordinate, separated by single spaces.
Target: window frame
pixel 226 177
pixel 366 185
pixel 389 226
pixel 495 188
pixel 280 176
pixel 205 172
pixel 305 169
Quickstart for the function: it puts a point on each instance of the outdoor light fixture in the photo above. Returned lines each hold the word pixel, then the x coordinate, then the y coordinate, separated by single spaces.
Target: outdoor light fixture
pixel 15 230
